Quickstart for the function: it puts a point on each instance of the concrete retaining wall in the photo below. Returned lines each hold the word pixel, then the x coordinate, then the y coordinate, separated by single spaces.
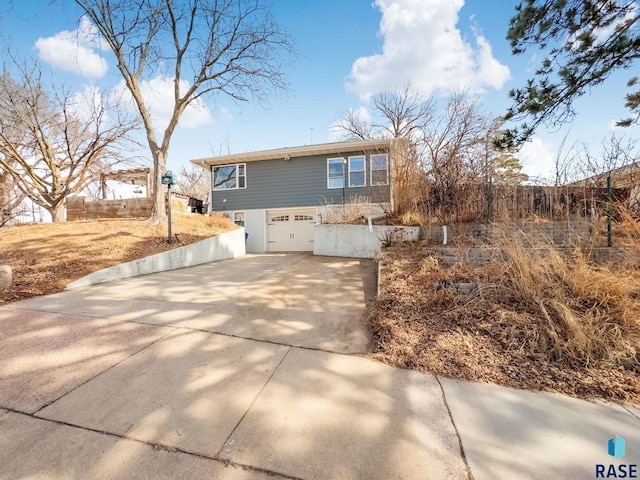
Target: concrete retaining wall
pixel 226 245
pixel 556 232
pixel 357 241
pixel 479 256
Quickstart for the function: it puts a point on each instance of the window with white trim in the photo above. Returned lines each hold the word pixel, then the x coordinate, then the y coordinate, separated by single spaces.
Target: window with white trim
pixel 335 173
pixel 379 163
pixel 303 218
pixel 238 218
pixel 357 177
pixel 228 177
pixel 280 218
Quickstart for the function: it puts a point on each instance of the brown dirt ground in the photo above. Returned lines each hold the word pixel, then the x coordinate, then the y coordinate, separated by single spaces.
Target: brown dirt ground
pixel 466 337
pixel 45 257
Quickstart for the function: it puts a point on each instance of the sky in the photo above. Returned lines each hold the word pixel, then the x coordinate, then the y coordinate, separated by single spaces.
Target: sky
pixel 348 51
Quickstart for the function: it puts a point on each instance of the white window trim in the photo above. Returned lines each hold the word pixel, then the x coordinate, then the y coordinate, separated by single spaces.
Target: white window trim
pixel 237 165
pixel 364 171
pixel 342 161
pixel 371 170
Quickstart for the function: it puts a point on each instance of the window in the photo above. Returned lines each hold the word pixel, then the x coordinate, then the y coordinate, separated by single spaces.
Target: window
pixel 335 173
pixel 379 169
pixel 303 218
pixel 238 218
pixel 281 218
pixel 356 172
pixel 229 177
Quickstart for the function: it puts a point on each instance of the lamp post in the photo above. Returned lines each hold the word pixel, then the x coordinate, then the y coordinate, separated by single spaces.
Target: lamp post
pixel 168 179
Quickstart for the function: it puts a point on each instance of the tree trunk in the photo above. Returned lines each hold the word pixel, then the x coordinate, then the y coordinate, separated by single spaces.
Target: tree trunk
pixel 158 209
pixel 57 212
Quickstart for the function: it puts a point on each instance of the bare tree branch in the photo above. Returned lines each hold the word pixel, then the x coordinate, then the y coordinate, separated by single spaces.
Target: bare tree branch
pixel 210 47
pixel 51 143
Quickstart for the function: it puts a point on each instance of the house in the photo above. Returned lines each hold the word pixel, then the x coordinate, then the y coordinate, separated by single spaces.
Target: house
pixel 279 195
pixel 625 182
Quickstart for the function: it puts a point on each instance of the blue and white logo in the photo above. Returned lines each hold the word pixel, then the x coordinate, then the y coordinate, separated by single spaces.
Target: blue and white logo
pixel 616 446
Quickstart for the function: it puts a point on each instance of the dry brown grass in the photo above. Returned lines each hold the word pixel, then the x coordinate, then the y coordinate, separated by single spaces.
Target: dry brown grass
pixel 537 319
pixel 588 314
pixel 627 228
pixel 45 257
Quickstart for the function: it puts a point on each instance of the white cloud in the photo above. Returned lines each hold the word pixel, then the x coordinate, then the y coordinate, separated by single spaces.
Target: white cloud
pixel 538 161
pixel 73 51
pixel 422 45
pixel 158 96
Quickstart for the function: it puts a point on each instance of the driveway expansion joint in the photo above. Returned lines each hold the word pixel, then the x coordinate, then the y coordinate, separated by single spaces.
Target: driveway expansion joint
pixel 105 371
pixel 455 428
pixel 224 444
pixel 155 446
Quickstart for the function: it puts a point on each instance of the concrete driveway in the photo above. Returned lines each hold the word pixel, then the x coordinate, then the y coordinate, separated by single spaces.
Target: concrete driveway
pixel 234 369
pixel 298 300
pixel 251 369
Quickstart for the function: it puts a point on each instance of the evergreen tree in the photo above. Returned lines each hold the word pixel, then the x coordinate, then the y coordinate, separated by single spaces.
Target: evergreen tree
pixel 584 41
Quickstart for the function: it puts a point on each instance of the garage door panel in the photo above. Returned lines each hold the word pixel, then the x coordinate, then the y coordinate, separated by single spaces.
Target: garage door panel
pixel 290 230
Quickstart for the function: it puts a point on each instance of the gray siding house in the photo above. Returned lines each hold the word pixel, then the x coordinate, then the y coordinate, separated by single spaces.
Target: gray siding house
pixel 279 195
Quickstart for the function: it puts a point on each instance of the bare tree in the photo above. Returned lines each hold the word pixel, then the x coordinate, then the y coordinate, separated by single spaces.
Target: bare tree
pixel 353 126
pixel 195 182
pixel 399 114
pixel 619 157
pixel 458 150
pixel 229 47
pixel 450 149
pixel 10 197
pixel 53 142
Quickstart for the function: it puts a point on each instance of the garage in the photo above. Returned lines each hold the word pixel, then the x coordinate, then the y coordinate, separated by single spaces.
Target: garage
pixel 290 230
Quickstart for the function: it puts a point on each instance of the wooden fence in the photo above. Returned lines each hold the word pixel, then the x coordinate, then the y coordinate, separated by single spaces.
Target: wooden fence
pixel 482 203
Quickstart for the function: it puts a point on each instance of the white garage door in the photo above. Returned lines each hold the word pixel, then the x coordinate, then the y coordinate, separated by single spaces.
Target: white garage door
pixel 290 230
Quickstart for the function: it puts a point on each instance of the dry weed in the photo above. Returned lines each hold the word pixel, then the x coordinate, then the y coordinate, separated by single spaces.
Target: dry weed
pixel 586 313
pixel 355 210
pixel 539 319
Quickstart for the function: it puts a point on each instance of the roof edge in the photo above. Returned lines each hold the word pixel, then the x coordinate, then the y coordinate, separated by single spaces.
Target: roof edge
pixel 300 151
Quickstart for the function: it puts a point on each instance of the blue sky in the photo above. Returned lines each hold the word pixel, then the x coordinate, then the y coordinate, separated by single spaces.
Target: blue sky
pixel 348 50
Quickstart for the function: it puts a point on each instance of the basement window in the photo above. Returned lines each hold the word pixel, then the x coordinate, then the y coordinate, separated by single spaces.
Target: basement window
pixel 238 218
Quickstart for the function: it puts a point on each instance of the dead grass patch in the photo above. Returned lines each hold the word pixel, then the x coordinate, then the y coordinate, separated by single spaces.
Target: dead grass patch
pixel 538 319
pixel 45 257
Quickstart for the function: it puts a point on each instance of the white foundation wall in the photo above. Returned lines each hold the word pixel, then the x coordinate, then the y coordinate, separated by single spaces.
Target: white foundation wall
pixel 255 225
pixel 255 222
pixel 358 241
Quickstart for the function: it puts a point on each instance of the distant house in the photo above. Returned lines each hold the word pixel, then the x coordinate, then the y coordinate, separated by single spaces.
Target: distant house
pixel 625 181
pixel 279 195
